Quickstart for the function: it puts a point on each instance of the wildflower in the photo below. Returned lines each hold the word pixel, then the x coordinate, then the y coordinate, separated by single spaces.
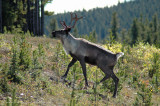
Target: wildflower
pixel 9 82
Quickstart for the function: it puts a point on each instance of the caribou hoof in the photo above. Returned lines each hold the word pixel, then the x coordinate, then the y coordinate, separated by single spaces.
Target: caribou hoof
pixel 86 86
pixel 63 77
pixel 114 96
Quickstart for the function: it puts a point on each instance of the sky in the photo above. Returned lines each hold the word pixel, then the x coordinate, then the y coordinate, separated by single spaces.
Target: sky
pixel 61 6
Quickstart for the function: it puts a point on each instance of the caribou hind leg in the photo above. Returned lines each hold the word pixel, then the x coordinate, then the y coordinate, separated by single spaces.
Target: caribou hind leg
pixel 108 70
pixel 102 80
pixel 105 77
pixel 116 80
pixel 82 62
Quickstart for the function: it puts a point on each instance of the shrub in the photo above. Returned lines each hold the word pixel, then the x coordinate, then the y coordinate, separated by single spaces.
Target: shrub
pixel 25 54
pixel 155 64
pixel 14 101
pixel 4 81
pixel 14 67
pixel 145 94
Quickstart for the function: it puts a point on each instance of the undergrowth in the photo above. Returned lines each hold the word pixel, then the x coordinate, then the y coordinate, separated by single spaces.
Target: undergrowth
pixel 31 70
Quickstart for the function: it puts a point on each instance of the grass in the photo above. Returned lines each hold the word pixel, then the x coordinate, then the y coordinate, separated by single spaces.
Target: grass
pixel 43 85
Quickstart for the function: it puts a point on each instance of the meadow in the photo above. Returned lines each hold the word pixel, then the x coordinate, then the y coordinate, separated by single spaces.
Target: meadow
pixel 31 70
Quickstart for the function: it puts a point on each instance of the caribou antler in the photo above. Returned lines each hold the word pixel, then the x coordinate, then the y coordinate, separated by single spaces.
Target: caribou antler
pixel 73 18
pixel 63 24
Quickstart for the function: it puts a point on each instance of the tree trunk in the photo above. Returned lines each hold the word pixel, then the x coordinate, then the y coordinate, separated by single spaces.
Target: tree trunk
pixel 1 16
pixel 33 19
pixel 39 25
pixel 25 16
pixel 37 17
pixel 28 16
pixel 42 17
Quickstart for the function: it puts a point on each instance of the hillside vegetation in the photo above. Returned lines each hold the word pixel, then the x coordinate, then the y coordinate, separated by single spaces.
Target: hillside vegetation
pixel 31 70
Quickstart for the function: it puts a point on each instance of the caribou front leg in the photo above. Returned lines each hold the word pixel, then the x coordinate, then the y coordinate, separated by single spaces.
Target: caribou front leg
pixel 69 65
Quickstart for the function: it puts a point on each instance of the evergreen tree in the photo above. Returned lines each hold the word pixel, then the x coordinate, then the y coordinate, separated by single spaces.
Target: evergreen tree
pixel 142 28
pixel 21 20
pixel 8 14
pixel 135 31
pixel 155 23
pixel 123 36
pixel 155 29
pixel 53 25
pixel 95 36
pixel 150 33
pixel 23 14
pixel 114 26
pixel 75 32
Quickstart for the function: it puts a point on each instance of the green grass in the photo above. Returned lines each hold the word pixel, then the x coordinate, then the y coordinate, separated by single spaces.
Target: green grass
pixel 41 84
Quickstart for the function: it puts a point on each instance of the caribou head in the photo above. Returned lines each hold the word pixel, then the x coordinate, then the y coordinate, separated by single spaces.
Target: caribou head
pixel 66 29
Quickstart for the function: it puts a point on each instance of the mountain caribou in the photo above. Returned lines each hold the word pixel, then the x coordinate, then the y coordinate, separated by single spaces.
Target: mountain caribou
pixel 86 52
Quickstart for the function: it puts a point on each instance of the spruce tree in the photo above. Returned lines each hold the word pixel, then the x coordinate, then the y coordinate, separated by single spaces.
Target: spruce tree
pixel 114 26
pixel 53 25
pixel 75 32
pixel 155 29
pixel 135 31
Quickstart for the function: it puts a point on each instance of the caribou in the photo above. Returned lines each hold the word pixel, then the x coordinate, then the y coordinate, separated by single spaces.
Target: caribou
pixel 86 52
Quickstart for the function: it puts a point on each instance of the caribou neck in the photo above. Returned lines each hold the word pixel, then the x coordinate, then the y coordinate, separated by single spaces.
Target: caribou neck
pixel 70 44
